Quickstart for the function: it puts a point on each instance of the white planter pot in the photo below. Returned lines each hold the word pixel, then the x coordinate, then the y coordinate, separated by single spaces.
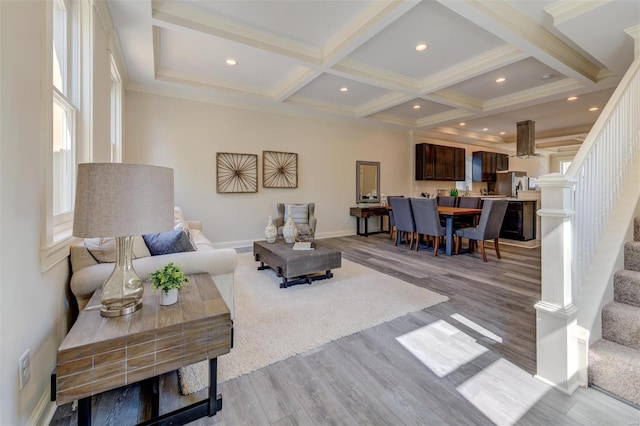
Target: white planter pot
pixel 169 298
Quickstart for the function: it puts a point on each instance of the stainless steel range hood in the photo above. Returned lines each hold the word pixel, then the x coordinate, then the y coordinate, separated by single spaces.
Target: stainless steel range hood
pixel 526 139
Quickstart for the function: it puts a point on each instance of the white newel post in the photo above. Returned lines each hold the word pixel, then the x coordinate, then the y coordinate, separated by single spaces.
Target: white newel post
pixel 556 325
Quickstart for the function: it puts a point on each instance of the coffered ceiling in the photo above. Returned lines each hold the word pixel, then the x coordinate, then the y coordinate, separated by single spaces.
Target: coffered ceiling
pixel 297 55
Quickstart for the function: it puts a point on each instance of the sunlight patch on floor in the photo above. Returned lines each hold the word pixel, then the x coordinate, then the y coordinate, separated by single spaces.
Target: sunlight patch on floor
pixel 503 392
pixel 477 327
pixel 441 347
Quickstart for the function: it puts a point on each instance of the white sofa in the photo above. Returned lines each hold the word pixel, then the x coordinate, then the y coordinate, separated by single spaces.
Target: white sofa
pixel 88 274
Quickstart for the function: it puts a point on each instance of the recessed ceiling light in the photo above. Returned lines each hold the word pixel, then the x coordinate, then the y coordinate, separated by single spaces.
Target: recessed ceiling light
pixel 463 124
pixel 501 80
pixel 344 89
pixel 485 129
pixel 503 133
pixel 546 76
pixel 572 98
pixel 231 62
pixel 594 109
pixel 416 107
pixel 421 46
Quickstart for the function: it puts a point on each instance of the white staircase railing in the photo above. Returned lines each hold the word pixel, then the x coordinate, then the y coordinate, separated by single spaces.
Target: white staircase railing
pixel 576 212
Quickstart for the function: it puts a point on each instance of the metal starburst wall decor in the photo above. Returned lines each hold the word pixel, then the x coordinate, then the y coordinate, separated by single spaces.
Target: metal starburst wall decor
pixel 279 169
pixel 236 172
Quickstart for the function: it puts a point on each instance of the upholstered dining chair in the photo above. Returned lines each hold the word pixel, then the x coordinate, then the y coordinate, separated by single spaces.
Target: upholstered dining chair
pixel 446 201
pixel 301 213
pixel 403 217
pixel 467 203
pixel 488 228
pixel 425 214
pixel 392 222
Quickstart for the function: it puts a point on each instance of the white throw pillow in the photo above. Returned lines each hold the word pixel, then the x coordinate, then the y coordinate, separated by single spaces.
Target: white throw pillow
pixel 299 213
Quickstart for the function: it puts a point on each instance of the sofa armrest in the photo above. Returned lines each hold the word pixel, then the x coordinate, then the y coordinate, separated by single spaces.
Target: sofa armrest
pixel 220 264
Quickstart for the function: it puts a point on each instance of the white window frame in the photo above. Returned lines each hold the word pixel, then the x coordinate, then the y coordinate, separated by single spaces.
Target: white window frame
pixel 57 229
pixel 116 113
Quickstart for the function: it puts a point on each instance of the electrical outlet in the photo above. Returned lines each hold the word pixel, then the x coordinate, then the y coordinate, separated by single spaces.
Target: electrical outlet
pixel 24 364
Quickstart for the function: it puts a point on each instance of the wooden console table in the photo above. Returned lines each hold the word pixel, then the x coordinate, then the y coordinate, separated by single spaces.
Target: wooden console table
pixel 101 354
pixel 365 213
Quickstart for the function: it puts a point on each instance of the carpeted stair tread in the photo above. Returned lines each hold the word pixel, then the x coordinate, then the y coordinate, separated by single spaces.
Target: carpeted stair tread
pixel 615 368
pixel 621 324
pixel 626 287
pixel 632 255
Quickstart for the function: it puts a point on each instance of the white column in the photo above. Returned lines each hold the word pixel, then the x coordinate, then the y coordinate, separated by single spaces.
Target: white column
pixel 556 326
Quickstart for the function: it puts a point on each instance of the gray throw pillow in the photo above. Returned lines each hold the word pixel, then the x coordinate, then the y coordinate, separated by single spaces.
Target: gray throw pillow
pixel 175 241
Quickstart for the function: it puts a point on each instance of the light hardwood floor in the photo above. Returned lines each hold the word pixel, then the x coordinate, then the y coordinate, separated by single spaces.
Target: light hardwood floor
pixel 413 369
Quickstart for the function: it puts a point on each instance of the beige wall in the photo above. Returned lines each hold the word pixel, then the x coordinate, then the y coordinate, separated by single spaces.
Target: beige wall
pixel 33 305
pixel 186 135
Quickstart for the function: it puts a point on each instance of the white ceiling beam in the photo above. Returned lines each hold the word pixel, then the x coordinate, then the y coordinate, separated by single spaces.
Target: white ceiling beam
pixel 320 106
pixel 382 103
pixel 565 10
pixel 535 93
pixel 442 117
pixel 187 17
pixel 374 19
pixel 363 73
pixel 506 22
pixel 481 64
pixel 295 83
pixel 456 100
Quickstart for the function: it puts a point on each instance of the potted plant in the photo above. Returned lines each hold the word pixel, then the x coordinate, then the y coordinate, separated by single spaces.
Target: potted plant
pixel 169 279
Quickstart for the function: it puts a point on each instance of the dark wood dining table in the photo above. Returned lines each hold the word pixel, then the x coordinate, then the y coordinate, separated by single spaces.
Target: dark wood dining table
pixel 449 213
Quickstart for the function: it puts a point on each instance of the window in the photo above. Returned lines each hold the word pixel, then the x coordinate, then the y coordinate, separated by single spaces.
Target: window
pixel 116 114
pixel 64 114
pixel 59 177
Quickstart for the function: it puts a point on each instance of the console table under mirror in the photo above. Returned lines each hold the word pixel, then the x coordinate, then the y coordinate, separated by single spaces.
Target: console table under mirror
pixel 368 196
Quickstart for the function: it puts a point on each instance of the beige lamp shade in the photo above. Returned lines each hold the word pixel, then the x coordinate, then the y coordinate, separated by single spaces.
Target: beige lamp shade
pixel 120 200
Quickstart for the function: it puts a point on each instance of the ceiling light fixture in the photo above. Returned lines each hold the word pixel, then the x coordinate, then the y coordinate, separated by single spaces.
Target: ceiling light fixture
pixel 416 107
pixel 546 76
pixel 503 133
pixel 572 98
pixel 231 62
pixel 593 109
pixel 344 89
pixel 463 124
pixel 421 46
pixel 485 129
pixel 501 80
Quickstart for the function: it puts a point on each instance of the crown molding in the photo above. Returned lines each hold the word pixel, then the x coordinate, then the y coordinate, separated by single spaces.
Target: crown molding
pixel 566 10
pixel 465 135
pixel 294 83
pixel 187 17
pixel 394 120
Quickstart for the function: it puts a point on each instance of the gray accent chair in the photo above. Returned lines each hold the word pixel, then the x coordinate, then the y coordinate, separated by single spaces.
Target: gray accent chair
pixel 306 224
pixel 427 219
pixel 467 203
pixel 403 217
pixel 488 228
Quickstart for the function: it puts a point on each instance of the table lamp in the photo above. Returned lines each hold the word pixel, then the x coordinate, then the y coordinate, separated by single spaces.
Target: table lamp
pixel 122 201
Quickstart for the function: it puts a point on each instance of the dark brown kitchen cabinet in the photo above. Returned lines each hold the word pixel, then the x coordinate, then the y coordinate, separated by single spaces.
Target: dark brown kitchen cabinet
pixel 425 161
pixel 459 164
pixel 484 166
pixel 502 162
pixel 444 162
pixel 439 162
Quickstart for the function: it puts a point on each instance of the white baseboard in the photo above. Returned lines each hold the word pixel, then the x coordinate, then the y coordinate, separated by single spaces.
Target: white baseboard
pixel 44 411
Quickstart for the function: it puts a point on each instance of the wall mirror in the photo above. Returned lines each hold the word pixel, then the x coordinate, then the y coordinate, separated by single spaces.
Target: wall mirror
pixel 367 182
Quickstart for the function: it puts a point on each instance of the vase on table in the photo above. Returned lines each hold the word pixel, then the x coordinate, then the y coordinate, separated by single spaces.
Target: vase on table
pixel 290 231
pixel 169 297
pixel 270 232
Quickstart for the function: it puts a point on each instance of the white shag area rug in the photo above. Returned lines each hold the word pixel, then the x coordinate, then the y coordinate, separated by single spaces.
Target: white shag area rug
pixel 272 324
